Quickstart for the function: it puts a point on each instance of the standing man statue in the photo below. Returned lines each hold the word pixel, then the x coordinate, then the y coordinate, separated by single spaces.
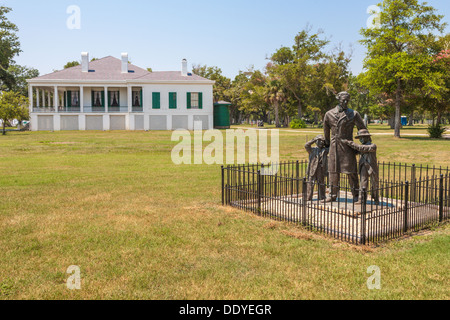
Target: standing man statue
pixel 339 124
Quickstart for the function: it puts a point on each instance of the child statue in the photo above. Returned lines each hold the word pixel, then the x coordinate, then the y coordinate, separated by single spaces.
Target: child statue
pixel 317 166
pixel 368 164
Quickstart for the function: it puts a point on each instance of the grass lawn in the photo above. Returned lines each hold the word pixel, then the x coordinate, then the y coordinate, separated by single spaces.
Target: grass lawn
pixel 140 227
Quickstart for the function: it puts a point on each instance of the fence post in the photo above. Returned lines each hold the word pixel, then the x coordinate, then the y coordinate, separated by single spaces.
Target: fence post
pixel 413 182
pixel 297 174
pixel 441 199
pixel 223 186
pixel 363 216
pixel 304 196
pixel 405 213
pixel 259 191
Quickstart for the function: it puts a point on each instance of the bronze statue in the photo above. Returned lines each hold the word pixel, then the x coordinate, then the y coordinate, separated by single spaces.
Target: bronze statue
pixel 317 166
pixel 368 163
pixel 338 124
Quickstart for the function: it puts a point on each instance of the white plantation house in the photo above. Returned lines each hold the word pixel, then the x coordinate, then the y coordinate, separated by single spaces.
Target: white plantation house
pixel 112 94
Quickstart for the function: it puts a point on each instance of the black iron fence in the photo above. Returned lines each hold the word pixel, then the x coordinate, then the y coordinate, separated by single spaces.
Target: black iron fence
pixel 408 198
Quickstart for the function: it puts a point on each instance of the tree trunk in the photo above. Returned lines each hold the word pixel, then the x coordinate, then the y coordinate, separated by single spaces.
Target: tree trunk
pixel 277 116
pixel 391 122
pixel 411 119
pixel 398 111
pixel 4 127
pixel 300 110
pixel 439 118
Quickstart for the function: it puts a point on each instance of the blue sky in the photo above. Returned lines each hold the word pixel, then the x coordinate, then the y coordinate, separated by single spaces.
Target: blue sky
pixel 232 35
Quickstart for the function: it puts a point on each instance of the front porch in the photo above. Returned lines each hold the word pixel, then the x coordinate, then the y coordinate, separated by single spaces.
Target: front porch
pixel 85 99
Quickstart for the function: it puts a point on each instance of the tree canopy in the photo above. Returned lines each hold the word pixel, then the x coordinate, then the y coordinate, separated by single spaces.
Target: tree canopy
pixel 398 52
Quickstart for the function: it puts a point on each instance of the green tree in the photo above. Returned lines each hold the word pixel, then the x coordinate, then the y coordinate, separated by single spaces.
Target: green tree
pixel 9 47
pixel 214 73
pixel 71 64
pixel 12 106
pixel 398 50
pixel 294 66
pixel 275 97
pixel 20 75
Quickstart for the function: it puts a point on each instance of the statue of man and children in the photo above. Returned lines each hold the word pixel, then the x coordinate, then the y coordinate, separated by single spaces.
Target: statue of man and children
pixel 336 152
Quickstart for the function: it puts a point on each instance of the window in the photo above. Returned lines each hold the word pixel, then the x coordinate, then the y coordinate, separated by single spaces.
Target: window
pixel 156 103
pixel 137 98
pixel 114 98
pixel 195 100
pixel 172 100
pixel 98 98
pixel 73 98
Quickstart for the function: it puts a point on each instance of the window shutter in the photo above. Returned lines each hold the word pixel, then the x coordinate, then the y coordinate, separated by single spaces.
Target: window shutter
pixel 103 99
pixel 200 100
pixel 108 99
pixel 118 97
pixel 172 100
pixel 92 98
pixel 189 100
pixel 65 99
pixel 141 104
pixel 156 100
pixel 69 98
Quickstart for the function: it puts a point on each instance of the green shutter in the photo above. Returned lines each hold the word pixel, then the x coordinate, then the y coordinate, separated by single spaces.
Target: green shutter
pixel 156 103
pixel 92 98
pixel 200 100
pixel 189 100
pixel 69 98
pixel 103 98
pixel 172 100
pixel 141 104
pixel 65 99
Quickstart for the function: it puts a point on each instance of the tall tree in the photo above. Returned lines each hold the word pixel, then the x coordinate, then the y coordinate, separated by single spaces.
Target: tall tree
pixel 294 66
pixel 275 96
pixel 71 64
pixel 20 75
pixel 214 73
pixel 397 50
pixel 12 106
pixel 9 47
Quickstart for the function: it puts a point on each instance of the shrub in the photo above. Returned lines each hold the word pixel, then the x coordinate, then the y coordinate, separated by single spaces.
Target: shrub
pixel 297 124
pixel 436 131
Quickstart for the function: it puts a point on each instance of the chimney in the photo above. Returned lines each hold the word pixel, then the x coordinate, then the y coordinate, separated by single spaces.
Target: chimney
pixel 124 62
pixel 85 62
pixel 184 68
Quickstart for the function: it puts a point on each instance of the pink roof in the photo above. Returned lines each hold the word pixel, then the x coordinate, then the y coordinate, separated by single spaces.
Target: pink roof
pixel 110 68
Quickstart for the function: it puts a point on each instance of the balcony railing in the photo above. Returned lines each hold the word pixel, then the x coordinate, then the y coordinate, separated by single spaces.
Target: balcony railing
pixel 87 109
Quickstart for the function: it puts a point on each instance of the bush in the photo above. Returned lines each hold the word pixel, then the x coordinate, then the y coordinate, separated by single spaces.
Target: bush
pixel 297 124
pixel 436 131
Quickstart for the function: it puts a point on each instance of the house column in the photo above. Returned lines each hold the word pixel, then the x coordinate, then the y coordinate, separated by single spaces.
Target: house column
pixel 37 98
pixel 30 97
pixel 106 100
pixel 81 99
pixel 55 98
pixel 129 99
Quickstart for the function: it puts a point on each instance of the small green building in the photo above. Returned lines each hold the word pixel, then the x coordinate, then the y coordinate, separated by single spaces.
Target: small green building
pixel 222 115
